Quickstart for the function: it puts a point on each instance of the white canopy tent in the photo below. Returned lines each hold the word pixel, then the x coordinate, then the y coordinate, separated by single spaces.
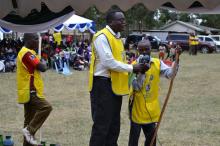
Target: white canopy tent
pixel 1 35
pixel 77 22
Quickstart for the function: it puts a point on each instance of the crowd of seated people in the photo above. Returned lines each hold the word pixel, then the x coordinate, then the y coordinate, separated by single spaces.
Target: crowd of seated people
pixel 73 54
pixel 8 53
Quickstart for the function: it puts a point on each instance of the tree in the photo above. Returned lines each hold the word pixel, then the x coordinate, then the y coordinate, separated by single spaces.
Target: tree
pixel 98 17
pixel 139 17
pixel 210 20
pixel 184 17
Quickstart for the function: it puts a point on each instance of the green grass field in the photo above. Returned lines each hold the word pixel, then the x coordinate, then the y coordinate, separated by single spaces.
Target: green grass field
pixel 192 117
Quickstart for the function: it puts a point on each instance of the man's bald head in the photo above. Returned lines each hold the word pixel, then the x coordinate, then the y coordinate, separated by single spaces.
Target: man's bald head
pixel 31 40
pixel 144 47
pixel 144 42
pixel 29 36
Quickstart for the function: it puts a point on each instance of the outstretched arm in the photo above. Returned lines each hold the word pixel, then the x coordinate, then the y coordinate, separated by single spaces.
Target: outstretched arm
pixel 175 65
pixel 170 72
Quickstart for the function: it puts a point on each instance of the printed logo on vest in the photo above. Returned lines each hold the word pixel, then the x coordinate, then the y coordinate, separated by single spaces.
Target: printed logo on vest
pixel 32 57
pixel 151 77
pixel 148 88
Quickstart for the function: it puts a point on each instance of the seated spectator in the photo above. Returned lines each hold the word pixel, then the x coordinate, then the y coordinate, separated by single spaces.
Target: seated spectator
pixel 58 63
pixel 2 56
pixel 87 54
pixel 69 48
pixel 10 62
pixel 66 57
pixel 58 49
pixel 79 63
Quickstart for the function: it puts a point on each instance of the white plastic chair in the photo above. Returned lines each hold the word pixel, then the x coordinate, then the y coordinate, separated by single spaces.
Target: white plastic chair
pixel 2 66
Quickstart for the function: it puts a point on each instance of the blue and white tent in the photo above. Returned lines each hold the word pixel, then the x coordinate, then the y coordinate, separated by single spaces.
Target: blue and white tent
pixel 4 30
pixel 77 22
pixel 1 35
pixel 74 22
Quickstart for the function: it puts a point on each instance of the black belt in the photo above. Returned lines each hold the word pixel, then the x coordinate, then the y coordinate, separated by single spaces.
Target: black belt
pixel 102 78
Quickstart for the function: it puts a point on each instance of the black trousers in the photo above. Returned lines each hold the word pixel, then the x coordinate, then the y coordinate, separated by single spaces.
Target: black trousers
pixel 135 130
pixel 193 50
pixel 105 107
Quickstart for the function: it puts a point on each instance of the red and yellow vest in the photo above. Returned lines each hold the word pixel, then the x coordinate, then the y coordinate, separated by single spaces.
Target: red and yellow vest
pixel 23 79
pixel 119 79
pixel 146 106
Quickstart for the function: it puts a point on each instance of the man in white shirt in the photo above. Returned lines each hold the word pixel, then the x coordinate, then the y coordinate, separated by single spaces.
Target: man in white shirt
pixel 105 99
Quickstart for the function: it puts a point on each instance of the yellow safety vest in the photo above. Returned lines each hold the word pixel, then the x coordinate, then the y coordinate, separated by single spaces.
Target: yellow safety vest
pixel 193 40
pixel 146 106
pixel 119 79
pixel 23 79
pixel 57 38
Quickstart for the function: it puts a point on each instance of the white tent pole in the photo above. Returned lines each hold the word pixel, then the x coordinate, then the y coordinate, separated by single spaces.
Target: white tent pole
pixel 40 135
pixel 39 45
pixel 39 54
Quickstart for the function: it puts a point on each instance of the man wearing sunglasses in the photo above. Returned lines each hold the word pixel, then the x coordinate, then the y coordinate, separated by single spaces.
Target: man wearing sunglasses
pixel 30 88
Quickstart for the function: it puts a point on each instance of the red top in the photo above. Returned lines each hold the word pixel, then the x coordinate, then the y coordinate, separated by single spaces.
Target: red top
pixel 30 61
pixel 168 62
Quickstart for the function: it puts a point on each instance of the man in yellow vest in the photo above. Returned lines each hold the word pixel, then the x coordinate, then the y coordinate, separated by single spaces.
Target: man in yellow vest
pixel 193 44
pixel 57 38
pixel 144 105
pixel 30 88
pixel 108 80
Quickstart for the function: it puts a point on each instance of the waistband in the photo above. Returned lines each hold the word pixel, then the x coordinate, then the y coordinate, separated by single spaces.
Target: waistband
pixel 102 78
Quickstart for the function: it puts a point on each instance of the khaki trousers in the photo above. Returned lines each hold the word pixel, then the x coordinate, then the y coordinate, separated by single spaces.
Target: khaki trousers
pixel 36 112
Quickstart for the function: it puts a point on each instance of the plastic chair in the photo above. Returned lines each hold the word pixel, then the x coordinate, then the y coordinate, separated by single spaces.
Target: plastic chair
pixel 2 66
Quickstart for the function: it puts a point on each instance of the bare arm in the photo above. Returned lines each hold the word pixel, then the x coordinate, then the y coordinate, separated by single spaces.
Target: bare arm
pixel 175 66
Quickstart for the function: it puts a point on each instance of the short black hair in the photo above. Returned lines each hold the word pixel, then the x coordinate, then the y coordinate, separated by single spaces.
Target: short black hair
pixel 111 15
pixel 144 42
pixel 28 36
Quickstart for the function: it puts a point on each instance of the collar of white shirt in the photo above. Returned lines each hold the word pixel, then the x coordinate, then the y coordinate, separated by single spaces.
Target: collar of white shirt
pixel 117 35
